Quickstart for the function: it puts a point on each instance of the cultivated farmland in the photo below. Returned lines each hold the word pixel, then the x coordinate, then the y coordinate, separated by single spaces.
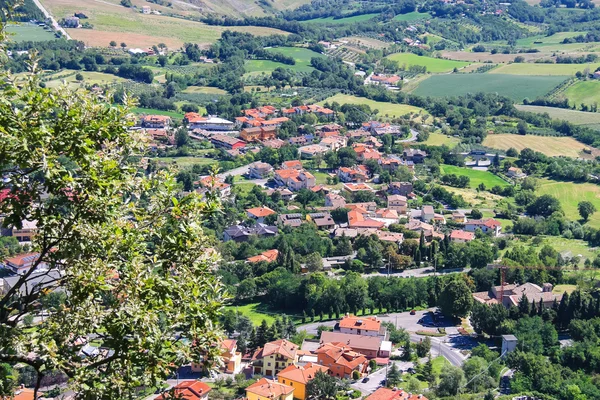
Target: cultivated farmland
pixel 570 194
pixel 477 177
pixel 514 86
pixel 587 92
pixel 549 145
pixel 412 16
pixel 389 109
pixel 438 139
pixel 347 20
pixel 433 65
pixel 574 117
pixel 301 55
pixel 542 69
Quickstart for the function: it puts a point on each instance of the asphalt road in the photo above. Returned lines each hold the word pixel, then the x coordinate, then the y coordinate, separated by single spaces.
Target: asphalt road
pixel 51 18
pixel 418 273
pixel 412 138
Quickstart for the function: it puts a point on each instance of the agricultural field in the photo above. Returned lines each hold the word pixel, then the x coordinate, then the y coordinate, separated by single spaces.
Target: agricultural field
pixel 586 92
pixel 204 90
pixel 488 57
pixel 570 194
pixel 111 21
pixel 172 114
pixel 516 87
pixel 549 145
pixel 29 32
pixel 433 65
pixel 89 78
pixel 412 16
pixel 348 20
pixel 477 177
pixel 255 312
pixel 439 139
pixel 363 41
pixel 540 41
pixel 543 69
pixel 572 116
pixel 301 55
pixel 385 109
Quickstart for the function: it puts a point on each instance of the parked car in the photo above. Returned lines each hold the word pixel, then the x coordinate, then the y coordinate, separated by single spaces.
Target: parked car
pixel 365 380
pixel 411 371
pixel 413 312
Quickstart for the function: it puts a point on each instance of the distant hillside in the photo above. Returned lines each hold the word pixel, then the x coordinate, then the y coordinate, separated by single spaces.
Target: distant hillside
pixel 238 8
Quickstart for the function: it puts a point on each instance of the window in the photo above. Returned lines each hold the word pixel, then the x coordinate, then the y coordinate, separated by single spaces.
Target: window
pixel 269 364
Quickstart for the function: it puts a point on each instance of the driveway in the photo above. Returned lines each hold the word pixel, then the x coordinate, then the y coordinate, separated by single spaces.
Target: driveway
pixel 376 378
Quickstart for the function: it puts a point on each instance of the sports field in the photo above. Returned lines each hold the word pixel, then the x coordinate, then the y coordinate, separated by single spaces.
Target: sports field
pixel 348 20
pixel 572 116
pixel 412 16
pixel 586 92
pixel 570 194
pixel 516 87
pixel 29 32
pixel 477 177
pixel 550 146
pixel 434 65
pixel 385 109
pixel 111 21
pixel 542 69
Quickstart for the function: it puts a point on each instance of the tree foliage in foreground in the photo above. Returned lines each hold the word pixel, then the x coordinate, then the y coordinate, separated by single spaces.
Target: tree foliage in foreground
pixel 127 250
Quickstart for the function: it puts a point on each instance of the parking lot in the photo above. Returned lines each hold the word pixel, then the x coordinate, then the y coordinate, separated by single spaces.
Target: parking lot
pixel 376 379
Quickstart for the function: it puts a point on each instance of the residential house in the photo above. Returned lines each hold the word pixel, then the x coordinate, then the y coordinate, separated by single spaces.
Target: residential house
pixel 215 185
pixel 294 179
pixel 368 207
pixel 369 346
pixel 513 293
pixel 358 219
pixel 368 326
pixel 259 213
pixel 460 236
pixel 384 393
pixel 274 357
pixel 393 237
pixel 365 152
pixel 334 143
pixel 298 140
pixel 398 203
pixel 22 263
pixel 487 225
pixel 227 142
pixel 428 230
pixel 265 256
pixel 286 194
pixel 156 121
pixel 312 150
pixel 341 360
pixel 357 187
pixel 427 213
pixel 322 220
pixel 274 143
pixel 401 188
pixel 390 82
pixel 240 233
pixel 299 376
pixel 259 170
pixel 23 234
pixel 258 134
pixel 414 155
pixel 188 390
pixel 292 164
pixel 210 123
pixel 71 22
pixel 459 217
pixel 359 173
pixel 334 200
pixel 515 173
pixel 265 389
pixel 387 216
pixel 293 220
pixel 391 163
pixel 146 9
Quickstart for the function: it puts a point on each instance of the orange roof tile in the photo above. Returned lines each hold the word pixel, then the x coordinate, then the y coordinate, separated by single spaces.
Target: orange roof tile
pixel 260 212
pixel 269 389
pixel 188 390
pixel 267 256
pixel 302 374
pixel 366 323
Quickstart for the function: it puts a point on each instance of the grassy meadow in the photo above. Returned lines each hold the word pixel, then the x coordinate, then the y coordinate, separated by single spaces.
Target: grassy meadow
pixel 572 116
pixel 412 16
pixel 439 139
pixel 586 92
pixel 89 78
pixel 172 114
pixel 542 69
pixel 385 109
pixel 29 32
pixel 570 194
pixel 477 177
pixel 550 146
pixel 301 55
pixel 433 65
pixel 347 20
pixel 514 86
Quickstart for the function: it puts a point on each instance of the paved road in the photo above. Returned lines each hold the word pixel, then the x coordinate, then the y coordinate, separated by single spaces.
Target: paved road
pixel 412 138
pixel 236 171
pixel 418 273
pixel 51 18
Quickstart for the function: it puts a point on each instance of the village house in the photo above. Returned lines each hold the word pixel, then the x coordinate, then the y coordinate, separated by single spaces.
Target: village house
pixel 390 82
pixel 334 200
pixel 414 155
pixel 240 233
pixel 274 143
pixel 391 163
pixel 358 219
pixel 156 121
pixel 401 188
pixel 286 194
pixel 357 187
pixel 227 142
pixel 460 236
pixel 368 326
pixel 258 134
pixel 515 173
pixel 384 393
pixel 25 234
pixel 22 263
pixel 369 346
pixel 488 225
pixel 299 376
pixel 265 256
pixel 513 294
pixel 259 213
pixel 312 150
pixel 322 220
pixel 71 22
pixel 459 217
pixel 334 143
pixel 232 359
pixel 365 152
pixel 259 170
pixel 294 179
pixel 341 360
pixel 292 164
pixel 265 389
pixel 293 220
pixel 189 390
pixel 357 174
pixel 398 203
pixel 274 357
pixel 386 216
pixel 197 121
pixel 365 208
pixel 214 185
pixel 428 230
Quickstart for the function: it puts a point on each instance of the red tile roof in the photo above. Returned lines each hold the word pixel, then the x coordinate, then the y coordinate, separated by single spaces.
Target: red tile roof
pixel 363 323
pixel 394 394
pixel 267 256
pixel 302 374
pixel 459 234
pixel 269 389
pixel 282 347
pixel 260 212
pixel 188 390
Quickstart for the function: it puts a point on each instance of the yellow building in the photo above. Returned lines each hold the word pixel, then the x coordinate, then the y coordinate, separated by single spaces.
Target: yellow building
pixel 274 357
pixel 299 376
pixel 265 389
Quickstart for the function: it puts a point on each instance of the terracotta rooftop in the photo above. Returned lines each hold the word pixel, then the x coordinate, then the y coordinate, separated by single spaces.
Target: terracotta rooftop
pixel 282 347
pixel 363 323
pixel 459 234
pixel 260 212
pixel 269 389
pixel 266 256
pixel 302 374
pixel 188 390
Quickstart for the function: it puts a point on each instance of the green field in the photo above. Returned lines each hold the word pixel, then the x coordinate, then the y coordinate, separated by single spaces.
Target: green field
pixel 586 92
pixel 172 114
pixel 255 312
pixel 542 69
pixel 477 177
pixel 549 145
pixel 204 90
pixel 438 139
pixel 545 41
pixel 348 20
pixel 89 78
pixel 572 116
pixel 385 109
pixel 29 32
pixel 186 161
pixel 516 87
pixel 570 194
pixel 433 65
pixel 412 16
pixel 301 55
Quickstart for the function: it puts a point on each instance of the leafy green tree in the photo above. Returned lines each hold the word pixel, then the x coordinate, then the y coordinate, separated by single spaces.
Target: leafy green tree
pixel 394 377
pixel 182 137
pixel 322 387
pixel 451 380
pixel 456 299
pixel 314 262
pixel 544 206
pixel 586 209
pixel 131 246
pixel 423 347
